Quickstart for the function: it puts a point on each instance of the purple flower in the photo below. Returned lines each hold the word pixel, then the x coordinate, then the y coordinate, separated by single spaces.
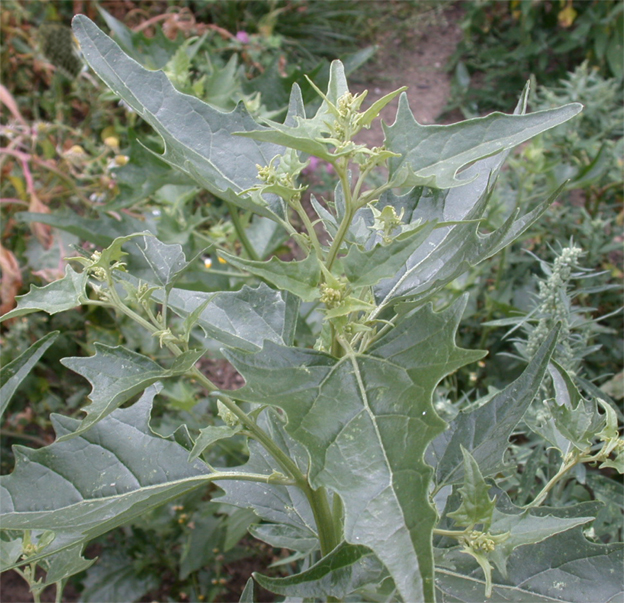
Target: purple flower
pixel 242 36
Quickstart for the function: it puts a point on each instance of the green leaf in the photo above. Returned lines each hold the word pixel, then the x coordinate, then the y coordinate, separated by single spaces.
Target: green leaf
pixel 565 568
pixel 167 262
pixel 197 137
pixel 265 236
pixel 566 392
pixel 281 505
pixel 485 431
pixel 373 111
pixel 209 435
pixel 574 417
pixel 338 574
pixel 562 567
pixel 59 296
pixel 116 374
pixel 301 278
pixel 617 463
pixel 115 578
pixel 67 562
pixel 307 134
pixel 10 549
pixel 237 524
pixel 197 548
pixel 476 506
pixel 12 374
pixel 241 319
pixel 568 567
pixel 103 478
pixel 452 249
pixel 100 231
pixel 286 536
pixel 141 177
pixel 369 447
pixel 527 527
pixel 365 268
pixel 434 155
pixel 247 596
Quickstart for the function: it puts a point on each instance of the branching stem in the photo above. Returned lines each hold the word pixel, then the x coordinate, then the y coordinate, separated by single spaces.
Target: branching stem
pixel 568 463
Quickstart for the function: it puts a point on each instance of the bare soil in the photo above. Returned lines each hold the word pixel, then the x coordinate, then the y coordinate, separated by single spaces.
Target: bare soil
pixel 418 62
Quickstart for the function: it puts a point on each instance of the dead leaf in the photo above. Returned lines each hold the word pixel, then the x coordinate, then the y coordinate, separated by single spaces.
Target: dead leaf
pixel 11 280
pixel 43 232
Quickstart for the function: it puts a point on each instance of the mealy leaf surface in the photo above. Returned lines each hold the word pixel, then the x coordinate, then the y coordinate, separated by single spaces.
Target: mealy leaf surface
pixel 103 478
pixel 116 374
pixel 365 421
pixel 433 155
pixel 198 138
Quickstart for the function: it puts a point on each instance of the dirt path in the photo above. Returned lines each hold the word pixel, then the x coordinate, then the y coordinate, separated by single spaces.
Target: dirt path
pixel 418 62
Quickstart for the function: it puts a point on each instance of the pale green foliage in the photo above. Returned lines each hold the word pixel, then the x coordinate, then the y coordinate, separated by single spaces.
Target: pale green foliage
pixel 349 464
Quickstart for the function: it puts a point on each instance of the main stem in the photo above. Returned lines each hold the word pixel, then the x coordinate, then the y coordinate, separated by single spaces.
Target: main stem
pixel 240 231
pixel 317 498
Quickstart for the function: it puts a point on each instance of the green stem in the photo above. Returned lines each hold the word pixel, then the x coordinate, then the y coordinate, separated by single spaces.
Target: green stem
pixel 565 467
pixel 329 536
pixel 336 349
pixel 229 273
pixel 240 231
pixel 251 477
pixel 346 221
pixel 449 533
pixel 118 304
pixel 317 498
pixel 58 597
pixel 311 232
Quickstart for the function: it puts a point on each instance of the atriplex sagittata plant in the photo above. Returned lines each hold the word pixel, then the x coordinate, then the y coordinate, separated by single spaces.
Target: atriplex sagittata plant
pixel 349 465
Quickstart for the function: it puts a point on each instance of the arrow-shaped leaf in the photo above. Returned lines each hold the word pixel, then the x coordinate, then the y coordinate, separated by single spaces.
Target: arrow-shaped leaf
pixel 307 134
pixel 485 432
pixel 59 296
pixel 434 155
pixel 365 421
pixel 166 261
pixel 198 138
pixel 116 374
pixel 241 319
pixel 301 278
pixel 530 526
pixel 565 568
pixel 15 372
pixel 476 506
pixel 100 231
pixel 451 250
pixel 103 478
pixel 365 268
